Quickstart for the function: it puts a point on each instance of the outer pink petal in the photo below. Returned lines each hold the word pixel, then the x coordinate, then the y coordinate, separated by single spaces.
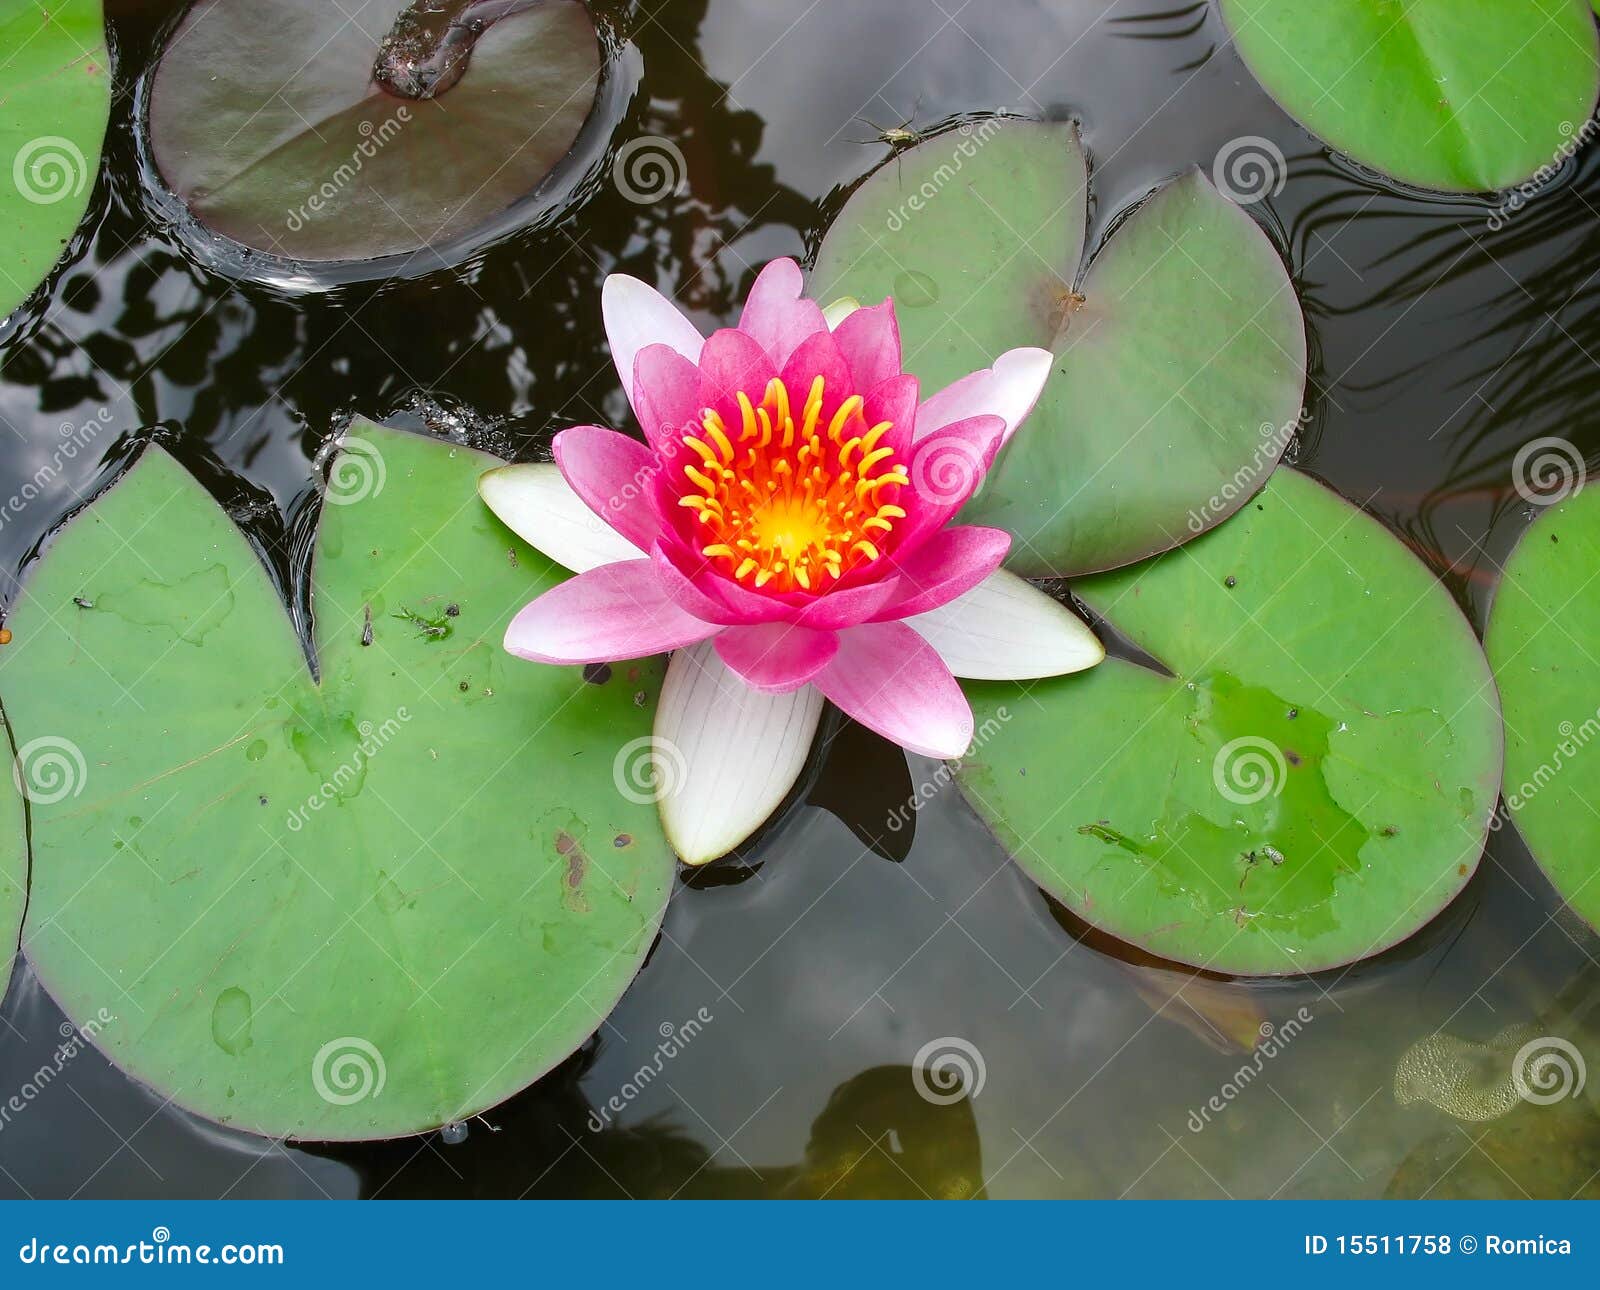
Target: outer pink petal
pixel 847 606
pixel 1008 390
pixel 945 467
pixel 891 680
pixel 612 474
pixel 894 401
pixel 949 564
pixel 776 657
pixel 636 315
pixel 869 339
pixel 616 611
pixel 776 315
pixel 666 395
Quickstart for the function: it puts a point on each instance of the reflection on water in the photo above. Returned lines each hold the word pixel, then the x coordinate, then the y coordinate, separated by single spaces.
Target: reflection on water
pixel 878 916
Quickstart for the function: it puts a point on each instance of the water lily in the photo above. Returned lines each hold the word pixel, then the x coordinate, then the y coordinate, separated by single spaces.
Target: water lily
pixel 785 530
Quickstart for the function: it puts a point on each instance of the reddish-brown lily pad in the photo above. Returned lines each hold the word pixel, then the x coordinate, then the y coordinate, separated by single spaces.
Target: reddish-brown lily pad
pixel 268 122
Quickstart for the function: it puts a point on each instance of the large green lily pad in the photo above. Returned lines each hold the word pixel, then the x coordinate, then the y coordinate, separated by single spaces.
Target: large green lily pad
pixel 55 95
pixel 348 908
pixel 266 120
pixel 1312 783
pixel 1180 354
pixel 13 872
pixel 1544 645
pixel 1457 95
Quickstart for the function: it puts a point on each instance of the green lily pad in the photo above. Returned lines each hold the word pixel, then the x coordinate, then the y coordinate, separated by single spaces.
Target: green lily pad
pixel 1312 783
pixel 1455 95
pixel 266 120
pixel 1541 642
pixel 1180 354
pixel 13 873
pixel 55 88
pixel 352 907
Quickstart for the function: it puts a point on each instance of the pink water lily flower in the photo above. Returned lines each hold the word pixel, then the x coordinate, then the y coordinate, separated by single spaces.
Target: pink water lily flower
pixel 785 530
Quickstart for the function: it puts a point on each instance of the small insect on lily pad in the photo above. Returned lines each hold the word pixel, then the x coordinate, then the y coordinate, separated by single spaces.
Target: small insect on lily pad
pixel 355 902
pixel 1308 782
pixel 1542 642
pixel 55 94
pixel 1454 95
pixel 1180 350
pixel 295 127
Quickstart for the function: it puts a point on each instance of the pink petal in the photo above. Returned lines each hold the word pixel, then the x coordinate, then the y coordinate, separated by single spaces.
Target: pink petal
pixel 776 657
pixel 691 583
pixel 613 612
pixel 818 355
pixel 945 467
pixel 730 363
pixel 637 315
pixel 891 680
pixel 847 606
pixel 894 401
pixel 869 339
pixel 667 395
pixel 776 315
pixel 950 563
pixel 612 473
pixel 1008 390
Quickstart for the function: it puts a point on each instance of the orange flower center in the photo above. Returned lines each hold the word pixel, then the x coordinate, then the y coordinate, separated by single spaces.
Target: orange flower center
pixel 786 502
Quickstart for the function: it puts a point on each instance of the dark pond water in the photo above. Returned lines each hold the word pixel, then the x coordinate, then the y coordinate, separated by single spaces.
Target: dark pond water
pixel 841 949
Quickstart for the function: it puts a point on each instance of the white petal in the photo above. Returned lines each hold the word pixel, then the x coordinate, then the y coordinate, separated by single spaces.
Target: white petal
pixel 636 315
pixel 1009 389
pixel 725 755
pixel 1006 629
pixel 539 506
pixel 839 310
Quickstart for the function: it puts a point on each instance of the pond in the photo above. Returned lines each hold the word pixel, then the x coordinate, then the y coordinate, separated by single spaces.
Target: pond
pixel 868 1000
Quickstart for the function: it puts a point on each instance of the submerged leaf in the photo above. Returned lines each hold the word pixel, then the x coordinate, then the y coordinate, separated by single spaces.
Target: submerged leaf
pixel 349 907
pixel 1311 784
pixel 1455 95
pixel 1180 356
pixel 55 94
pixel 267 121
